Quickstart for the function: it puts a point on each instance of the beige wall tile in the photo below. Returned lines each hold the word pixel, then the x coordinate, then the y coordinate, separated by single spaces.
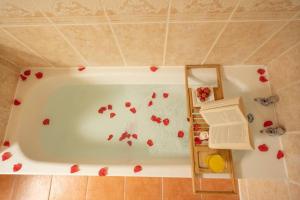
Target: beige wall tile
pixel 291 144
pixel 293 165
pixel 285 69
pixel 239 40
pixel 294 191
pixel 283 40
pixel 141 44
pixel 95 43
pixel 68 187
pixel 267 189
pixel 288 107
pixel 189 43
pixel 72 11
pixel 266 9
pixel 8 80
pixel 18 54
pixel 4 62
pixel 47 42
pixel 187 10
pixel 20 12
pixel 31 187
pixel 137 10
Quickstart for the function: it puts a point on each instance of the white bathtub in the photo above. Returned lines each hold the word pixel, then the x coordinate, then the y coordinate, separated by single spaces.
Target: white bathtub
pixel 77 133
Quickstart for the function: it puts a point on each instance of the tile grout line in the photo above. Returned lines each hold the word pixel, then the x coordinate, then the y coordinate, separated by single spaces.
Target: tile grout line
pixel 284 52
pixel 26 47
pixel 221 32
pixel 167 33
pixel 11 62
pixel 124 192
pixel 86 188
pixel 162 188
pixel 49 193
pixel 114 34
pixel 269 39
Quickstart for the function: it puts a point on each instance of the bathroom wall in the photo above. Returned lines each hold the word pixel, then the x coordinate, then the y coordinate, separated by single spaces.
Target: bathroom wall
pixel 67 33
pixel 8 84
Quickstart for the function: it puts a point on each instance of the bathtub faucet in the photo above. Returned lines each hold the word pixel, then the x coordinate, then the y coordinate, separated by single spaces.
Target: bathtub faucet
pixel 274 131
pixel 266 101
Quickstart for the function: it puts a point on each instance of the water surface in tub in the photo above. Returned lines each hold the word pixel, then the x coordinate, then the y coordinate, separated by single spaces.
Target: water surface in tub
pixel 78 133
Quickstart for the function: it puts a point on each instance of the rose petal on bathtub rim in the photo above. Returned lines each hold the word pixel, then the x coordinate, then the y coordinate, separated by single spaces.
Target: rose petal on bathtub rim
pixel 166 121
pixel 17 102
pixel 153 68
pixel 268 123
pixel 39 75
pixel 109 107
pixel 81 68
pixel 129 143
pixel 150 143
pixel 280 154
pixel 112 115
pixel 103 171
pixel 135 136
pixel 150 103
pixel 6 155
pixel 24 78
pixel 165 95
pixel 74 169
pixel 110 137
pixel 27 72
pixel 263 148
pixel 153 95
pixel 137 168
pixel 261 71
pixel 17 167
pixel 263 79
pixel 127 104
pixel 46 122
pixel 6 143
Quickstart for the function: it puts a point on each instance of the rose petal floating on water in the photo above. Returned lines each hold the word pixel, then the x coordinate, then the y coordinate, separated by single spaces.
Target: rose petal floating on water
pixel 150 103
pixel 165 95
pixel 127 104
pixel 263 79
pixel 112 115
pixel 153 95
pixel 137 168
pixel 180 134
pixel 24 78
pixel 109 107
pixel 27 72
pixel 261 71
pixel 46 122
pixel 135 136
pixel 110 137
pixel 74 169
pixel 166 122
pixel 39 75
pixel 133 110
pixel 129 143
pixel 150 143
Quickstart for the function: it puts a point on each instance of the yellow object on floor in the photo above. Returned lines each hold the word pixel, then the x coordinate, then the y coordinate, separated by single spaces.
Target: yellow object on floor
pixel 215 163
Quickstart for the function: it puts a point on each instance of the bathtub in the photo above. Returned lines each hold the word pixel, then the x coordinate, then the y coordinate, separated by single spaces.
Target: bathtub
pixel 78 133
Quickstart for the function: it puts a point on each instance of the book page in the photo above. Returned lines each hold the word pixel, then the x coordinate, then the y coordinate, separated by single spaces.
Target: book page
pixel 226 115
pixel 221 103
pixel 234 136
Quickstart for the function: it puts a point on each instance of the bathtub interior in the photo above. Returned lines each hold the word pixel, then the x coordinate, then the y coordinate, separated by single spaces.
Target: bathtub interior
pixel 77 133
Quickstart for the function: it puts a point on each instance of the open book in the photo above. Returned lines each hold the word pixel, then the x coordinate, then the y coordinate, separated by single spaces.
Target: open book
pixel 228 127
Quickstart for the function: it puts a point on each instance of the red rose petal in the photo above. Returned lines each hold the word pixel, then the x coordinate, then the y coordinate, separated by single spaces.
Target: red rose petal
pixel 153 68
pixel 110 137
pixel 27 72
pixel 197 140
pixel 39 75
pixel 165 95
pixel 74 169
pixel 129 143
pixel 6 156
pixel 261 71
pixel 150 103
pixel 6 143
pixel 153 95
pixel 127 104
pixel 263 147
pixel 150 143
pixel 133 110
pixel 46 122
pixel 24 78
pixel 197 127
pixel 109 107
pixel 17 102
pixel 280 154
pixel 180 134
pixel 268 123
pixel 123 136
pixel 101 110
pixel 153 118
pixel 263 79
pixel 17 167
pixel 158 120
pixel 103 171
pixel 81 68
pixel 111 115
pixel 137 168
pixel 135 136
pixel 128 136
pixel 166 122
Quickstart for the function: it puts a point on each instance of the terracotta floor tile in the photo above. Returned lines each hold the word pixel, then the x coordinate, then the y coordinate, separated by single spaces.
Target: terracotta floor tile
pixel 142 188
pixel 220 197
pixel 31 187
pixel 105 188
pixel 216 184
pixel 68 188
pixel 6 186
pixel 178 189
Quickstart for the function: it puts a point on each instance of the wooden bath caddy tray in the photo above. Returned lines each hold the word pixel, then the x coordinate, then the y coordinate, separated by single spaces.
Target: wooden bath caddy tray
pixel 200 151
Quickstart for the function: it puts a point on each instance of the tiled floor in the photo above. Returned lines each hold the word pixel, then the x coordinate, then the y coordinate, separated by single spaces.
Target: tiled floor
pixel 104 188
